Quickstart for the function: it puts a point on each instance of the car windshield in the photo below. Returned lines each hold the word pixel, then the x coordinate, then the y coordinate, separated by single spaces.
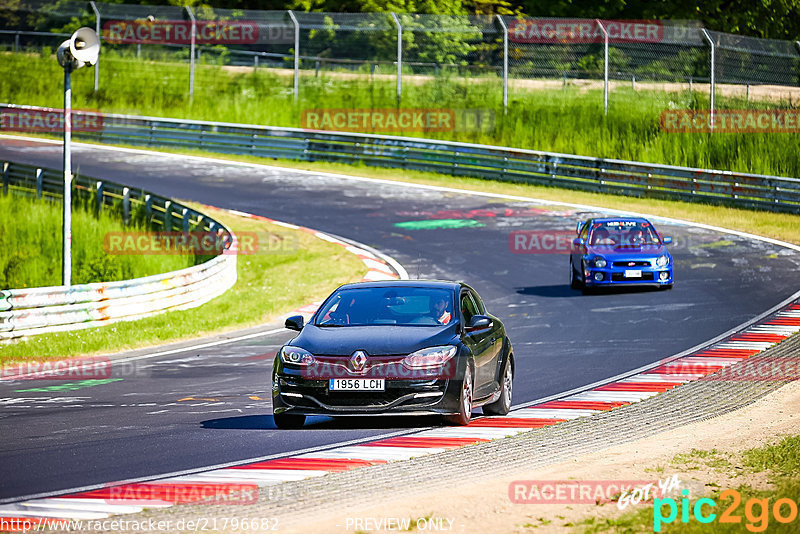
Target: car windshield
pixel 623 233
pixel 402 306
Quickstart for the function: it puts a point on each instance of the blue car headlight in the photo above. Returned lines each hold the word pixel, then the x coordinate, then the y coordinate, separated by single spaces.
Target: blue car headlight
pixel 662 261
pixel 600 262
pixel 296 356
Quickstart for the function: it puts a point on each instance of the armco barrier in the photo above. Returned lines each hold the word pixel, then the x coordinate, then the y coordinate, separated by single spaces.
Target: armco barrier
pixel 484 161
pixel 25 312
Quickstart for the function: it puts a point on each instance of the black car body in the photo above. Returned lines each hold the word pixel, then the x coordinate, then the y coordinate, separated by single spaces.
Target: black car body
pixel 394 347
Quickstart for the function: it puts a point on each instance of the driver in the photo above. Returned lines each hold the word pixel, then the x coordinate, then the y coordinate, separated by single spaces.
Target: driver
pixel 440 309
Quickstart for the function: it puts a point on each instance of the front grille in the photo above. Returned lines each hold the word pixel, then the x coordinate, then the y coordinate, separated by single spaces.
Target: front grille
pixel 620 277
pixel 628 264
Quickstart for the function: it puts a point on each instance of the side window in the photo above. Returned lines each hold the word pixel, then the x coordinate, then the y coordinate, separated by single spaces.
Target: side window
pixel 479 307
pixel 468 308
pixel 585 231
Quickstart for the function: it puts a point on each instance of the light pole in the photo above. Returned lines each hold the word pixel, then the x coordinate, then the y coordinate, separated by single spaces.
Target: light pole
pixel 77 51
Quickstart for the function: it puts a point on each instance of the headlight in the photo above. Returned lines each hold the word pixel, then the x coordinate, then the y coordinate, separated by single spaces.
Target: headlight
pixel 429 358
pixel 600 263
pixel 296 356
pixel 661 261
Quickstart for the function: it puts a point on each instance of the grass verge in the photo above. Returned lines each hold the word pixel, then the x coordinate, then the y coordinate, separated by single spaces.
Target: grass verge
pixel 30 238
pixel 268 285
pixel 569 120
pixel 751 510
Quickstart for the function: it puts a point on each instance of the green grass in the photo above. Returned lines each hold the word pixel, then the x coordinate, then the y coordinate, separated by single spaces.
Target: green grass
pixel 569 121
pixel 780 460
pixel 268 285
pixel 30 238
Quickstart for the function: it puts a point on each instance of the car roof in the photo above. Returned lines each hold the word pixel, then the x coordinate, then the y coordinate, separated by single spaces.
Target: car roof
pixel 433 284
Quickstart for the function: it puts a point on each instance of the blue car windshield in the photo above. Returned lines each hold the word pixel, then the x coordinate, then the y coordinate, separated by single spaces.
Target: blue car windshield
pixel 401 306
pixel 623 234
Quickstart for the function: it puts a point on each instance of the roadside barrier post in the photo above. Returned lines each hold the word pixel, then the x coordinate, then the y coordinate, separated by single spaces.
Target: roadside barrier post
pixel 605 65
pixel 296 55
pixel 505 62
pixel 99 36
pixel 191 51
pixel 399 57
pixel 713 80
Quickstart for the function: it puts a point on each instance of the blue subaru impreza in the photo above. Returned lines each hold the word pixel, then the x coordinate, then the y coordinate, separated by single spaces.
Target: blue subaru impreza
pixel 619 251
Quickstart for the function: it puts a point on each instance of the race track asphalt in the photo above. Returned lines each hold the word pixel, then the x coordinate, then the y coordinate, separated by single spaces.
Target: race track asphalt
pixel 210 406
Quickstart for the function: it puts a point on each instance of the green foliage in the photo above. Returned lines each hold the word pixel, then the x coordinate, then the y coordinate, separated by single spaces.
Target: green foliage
pixel 568 120
pixel 30 238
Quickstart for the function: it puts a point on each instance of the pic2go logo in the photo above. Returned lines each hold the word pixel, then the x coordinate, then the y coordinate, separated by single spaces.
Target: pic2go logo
pixel 756 511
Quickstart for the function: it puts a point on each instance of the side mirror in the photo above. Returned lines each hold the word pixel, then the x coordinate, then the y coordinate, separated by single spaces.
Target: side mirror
pixel 478 322
pixel 667 240
pixel 295 322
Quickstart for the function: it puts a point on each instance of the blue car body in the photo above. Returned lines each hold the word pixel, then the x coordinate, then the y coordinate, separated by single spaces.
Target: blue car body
pixel 620 251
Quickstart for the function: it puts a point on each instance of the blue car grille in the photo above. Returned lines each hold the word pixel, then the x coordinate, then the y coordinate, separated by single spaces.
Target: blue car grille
pixel 631 264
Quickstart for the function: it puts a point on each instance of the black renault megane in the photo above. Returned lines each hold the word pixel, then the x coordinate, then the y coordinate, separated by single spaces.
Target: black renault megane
pixel 394 347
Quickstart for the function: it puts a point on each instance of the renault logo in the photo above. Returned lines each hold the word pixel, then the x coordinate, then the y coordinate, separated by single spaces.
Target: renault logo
pixel 358 360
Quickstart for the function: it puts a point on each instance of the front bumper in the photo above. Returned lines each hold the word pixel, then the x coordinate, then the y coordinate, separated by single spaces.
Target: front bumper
pixel 299 395
pixel 654 276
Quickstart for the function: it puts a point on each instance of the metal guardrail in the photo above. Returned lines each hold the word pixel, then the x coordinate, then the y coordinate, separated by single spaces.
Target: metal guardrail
pixel 25 312
pixel 600 175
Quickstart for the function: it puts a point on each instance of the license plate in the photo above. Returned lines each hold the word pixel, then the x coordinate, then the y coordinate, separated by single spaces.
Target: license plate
pixel 356 384
pixel 633 273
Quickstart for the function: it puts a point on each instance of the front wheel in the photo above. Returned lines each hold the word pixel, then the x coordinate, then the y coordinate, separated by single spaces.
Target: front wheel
pixel 464 402
pixel 574 283
pixel 288 420
pixel 503 405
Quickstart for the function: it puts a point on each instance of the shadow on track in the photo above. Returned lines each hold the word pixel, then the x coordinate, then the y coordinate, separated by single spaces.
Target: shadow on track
pixel 266 422
pixel 565 291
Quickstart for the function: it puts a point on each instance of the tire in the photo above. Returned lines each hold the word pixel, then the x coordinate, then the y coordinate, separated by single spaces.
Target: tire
pixel 503 405
pixel 288 420
pixel 574 283
pixel 464 401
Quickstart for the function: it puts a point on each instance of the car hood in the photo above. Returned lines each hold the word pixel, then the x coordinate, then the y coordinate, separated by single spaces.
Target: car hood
pixel 375 340
pixel 616 253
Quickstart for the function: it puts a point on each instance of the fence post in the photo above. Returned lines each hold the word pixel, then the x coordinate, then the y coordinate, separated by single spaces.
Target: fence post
pixel 296 54
pixel 38 183
pixel 399 57
pixel 5 177
pixel 99 36
pixel 185 215
pixel 148 208
pixel 191 51
pixel 605 65
pixel 16 42
pixel 168 216
pixel 126 205
pixel 713 80
pixel 505 62
pixel 100 191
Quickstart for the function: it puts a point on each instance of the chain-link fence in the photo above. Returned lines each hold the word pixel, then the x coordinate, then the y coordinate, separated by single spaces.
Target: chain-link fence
pixel 393 49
